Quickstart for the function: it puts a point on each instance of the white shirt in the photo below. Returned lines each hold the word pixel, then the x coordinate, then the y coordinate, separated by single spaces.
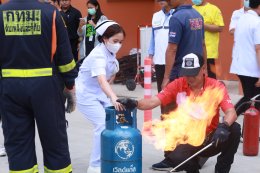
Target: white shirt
pixel 99 62
pixel 235 17
pixel 247 35
pixel 159 38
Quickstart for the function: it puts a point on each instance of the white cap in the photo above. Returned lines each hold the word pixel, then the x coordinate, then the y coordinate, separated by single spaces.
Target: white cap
pixel 191 64
pixel 102 27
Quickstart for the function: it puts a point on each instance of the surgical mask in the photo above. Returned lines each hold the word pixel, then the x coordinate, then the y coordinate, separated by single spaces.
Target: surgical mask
pixel 91 11
pixel 113 47
pixel 197 2
pixel 246 3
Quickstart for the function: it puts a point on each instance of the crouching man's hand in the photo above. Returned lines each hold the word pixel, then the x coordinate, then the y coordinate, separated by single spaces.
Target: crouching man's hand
pixel 128 103
pixel 221 134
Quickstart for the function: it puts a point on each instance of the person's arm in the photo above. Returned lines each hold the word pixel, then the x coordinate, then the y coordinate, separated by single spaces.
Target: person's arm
pixel 106 88
pixel 256 37
pixel 204 47
pixel 152 41
pixel 170 56
pixel 222 132
pixel 77 18
pixel 79 15
pixel 111 80
pixel 230 116
pixel 146 104
pixel 165 97
pixel 175 35
pixel 152 45
pixel 204 53
pixel 63 56
pixel 213 28
pixel 232 31
pixel 64 61
pixel 82 27
pixel 233 23
pixel 257 49
pixel 92 23
pixel 218 23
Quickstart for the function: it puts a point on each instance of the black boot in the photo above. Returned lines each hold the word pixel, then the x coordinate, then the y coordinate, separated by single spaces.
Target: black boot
pixel 222 170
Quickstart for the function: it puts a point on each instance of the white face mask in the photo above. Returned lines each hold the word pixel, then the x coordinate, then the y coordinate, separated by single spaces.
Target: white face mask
pixel 113 47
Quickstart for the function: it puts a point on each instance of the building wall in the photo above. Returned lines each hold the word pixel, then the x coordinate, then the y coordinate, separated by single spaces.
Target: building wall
pixel 131 13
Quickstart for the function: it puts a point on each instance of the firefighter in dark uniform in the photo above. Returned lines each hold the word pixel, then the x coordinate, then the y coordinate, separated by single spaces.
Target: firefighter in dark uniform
pixel 31 33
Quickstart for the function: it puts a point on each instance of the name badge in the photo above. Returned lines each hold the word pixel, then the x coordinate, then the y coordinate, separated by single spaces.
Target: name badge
pixel 90 38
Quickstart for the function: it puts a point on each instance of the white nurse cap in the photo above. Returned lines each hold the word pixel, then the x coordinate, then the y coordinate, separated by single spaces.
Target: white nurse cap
pixel 102 27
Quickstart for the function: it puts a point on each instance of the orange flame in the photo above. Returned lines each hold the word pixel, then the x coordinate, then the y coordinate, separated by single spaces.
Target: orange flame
pixel 188 123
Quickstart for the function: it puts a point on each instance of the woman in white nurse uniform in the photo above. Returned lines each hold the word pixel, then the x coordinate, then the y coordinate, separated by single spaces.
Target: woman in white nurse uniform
pixel 93 90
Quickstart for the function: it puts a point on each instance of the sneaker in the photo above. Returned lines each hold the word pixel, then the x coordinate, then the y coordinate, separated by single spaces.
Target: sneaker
pixel 92 169
pixel 162 166
pixel 2 152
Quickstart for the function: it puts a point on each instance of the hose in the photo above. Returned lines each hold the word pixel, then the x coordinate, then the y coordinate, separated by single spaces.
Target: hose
pixel 252 101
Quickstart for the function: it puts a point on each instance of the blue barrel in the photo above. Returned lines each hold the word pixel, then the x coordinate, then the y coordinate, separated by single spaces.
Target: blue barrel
pixel 121 143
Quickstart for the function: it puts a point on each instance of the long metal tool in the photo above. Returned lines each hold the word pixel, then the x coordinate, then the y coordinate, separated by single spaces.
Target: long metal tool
pixel 203 149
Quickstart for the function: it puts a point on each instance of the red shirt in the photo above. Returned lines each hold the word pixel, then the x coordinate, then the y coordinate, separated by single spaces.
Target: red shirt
pixel 180 85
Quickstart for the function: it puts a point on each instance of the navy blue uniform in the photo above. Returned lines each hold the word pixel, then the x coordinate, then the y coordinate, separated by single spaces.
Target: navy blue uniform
pixel 31 33
pixel 186 29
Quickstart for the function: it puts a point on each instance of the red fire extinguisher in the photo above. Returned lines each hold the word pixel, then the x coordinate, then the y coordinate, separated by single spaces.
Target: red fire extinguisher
pixel 251 131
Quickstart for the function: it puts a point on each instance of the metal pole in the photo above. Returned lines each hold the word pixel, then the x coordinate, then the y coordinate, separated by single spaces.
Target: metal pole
pixel 206 147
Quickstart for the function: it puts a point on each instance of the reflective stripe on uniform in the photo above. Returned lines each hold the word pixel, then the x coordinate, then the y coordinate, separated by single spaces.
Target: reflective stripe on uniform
pixel 27 72
pixel 32 170
pixel 68 169
pixel 54 36
pixel 67 67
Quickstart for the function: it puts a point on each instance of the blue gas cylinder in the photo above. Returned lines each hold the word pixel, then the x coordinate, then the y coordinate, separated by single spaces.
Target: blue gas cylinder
pixel 121 143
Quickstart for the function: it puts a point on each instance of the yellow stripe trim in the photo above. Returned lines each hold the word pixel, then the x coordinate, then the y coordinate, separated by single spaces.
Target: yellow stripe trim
pixel 68 169
pixel 27 73
pixel 32 170
pixel 67 67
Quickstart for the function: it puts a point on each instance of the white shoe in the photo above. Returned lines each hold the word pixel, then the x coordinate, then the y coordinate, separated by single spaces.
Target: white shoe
pixel 2 152
pixel 94 169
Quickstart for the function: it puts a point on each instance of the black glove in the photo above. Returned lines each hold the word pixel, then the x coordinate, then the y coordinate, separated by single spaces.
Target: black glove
pixel 128 103
pixel 221 134
pixel 71 99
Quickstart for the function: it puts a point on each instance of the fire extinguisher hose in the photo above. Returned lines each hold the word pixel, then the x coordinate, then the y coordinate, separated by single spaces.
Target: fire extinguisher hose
pixel 203 149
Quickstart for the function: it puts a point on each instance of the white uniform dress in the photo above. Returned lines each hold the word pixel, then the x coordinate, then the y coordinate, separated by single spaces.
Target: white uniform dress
pixel 247 35
pixel 91 100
